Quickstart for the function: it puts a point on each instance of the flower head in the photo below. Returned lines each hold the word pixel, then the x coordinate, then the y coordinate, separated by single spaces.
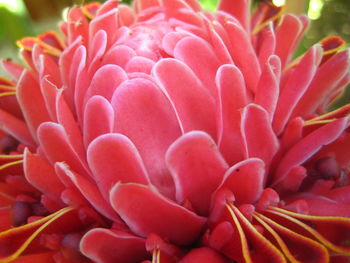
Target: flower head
pixel 165 133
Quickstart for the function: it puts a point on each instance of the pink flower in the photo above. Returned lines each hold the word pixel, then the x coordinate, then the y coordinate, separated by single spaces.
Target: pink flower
pixel 165 133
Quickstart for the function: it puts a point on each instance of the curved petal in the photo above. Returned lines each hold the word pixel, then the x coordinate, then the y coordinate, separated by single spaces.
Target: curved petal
pixel 259 139
pixel 146 117
pixel 100 245
pixel 232 96
pixel 56 147
pixel 87 189
pixel 268 87
pixel 295 87
pixel 40 173
pixel 195 53
pixel 193 104
pixel 203 255
pixel 114 158
pixel 308 146
pixel 197 168
pixel 239 9
pixel 105 80
pixel 15 127
pixel 243 54
pixel 31 101
pixel 98 118
pixel 146 211
pixel 246 180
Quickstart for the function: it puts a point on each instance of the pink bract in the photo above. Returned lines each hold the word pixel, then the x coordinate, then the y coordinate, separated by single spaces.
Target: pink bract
pixel 164 133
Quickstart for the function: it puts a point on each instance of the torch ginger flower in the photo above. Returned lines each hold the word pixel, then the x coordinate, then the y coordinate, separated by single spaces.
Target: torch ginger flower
pixel 165 133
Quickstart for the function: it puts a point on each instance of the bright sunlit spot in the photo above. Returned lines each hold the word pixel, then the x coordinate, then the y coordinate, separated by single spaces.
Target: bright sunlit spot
pixel 279 2
pixel 315 9
pixel 15 6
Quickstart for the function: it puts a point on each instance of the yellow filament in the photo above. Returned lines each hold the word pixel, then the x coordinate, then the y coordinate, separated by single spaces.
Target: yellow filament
pixel 48 220
pixel 6 165
pixel 244 243
pixel 9 93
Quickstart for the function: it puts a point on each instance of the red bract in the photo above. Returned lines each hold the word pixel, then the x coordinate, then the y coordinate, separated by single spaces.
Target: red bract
pixel 165 133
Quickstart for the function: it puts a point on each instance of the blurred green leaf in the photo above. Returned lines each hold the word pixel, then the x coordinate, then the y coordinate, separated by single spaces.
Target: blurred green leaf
pixel 209 4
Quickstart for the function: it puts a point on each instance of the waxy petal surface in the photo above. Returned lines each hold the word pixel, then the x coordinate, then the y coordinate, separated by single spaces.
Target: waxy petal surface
pixel 99 244
pixel 197 168
pixel 146 117
pixel 132 202
pixel 194 106
pixel 114 158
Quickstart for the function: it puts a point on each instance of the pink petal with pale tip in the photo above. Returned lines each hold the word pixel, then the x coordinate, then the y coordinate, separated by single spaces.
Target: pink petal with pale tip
pixel 100 244
pixel 231 98
pixel 49 84
pixel 107 6
pixel 11 68
pixel 221 235
pixel 287 34
pixel 292 134
pixel 119 55
pixel 295 87
pixel 143 114
pixel 240 9
pixel 308 146
pixel 15 127
pixel 326 79
pixel 69 63
pixel 194 106
pixel 126 16
pixel 266 44
pixel 268 87
pixel 113 158
pixel 203 255
pixel 82 81
pixel 246 180
pixel 197 168
pixel 40 173
pixel 66 119
pixel 108 22
pixel 104 82
pixel 133 202
pixel 96 51
pixel 170 40
pixel 256 124
pixel 31 102
pixel 78 26
pixel 139 64
pixel 243 54
pixel 88 189
pixel 55 145
pixel 98 118
pixel 200 57
pixel 179 10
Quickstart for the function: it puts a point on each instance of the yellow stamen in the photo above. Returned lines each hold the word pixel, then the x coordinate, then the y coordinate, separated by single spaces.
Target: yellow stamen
pixel 156 256
pixel 244 243
pixel 11 156
pixel 9 93
pixel 7 165
pixel 44 222
pixel 293 217
pixel 266 222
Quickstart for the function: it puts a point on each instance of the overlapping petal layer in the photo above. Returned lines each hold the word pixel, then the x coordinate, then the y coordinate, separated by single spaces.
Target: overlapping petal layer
pixel 164 133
